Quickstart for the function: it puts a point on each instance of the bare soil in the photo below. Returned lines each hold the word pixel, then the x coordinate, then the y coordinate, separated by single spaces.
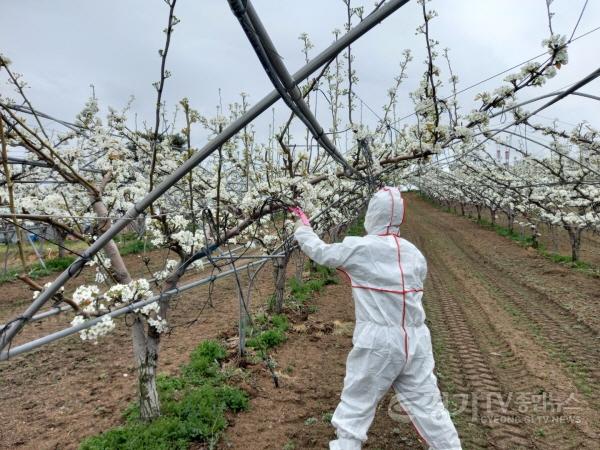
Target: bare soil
pixel 515 338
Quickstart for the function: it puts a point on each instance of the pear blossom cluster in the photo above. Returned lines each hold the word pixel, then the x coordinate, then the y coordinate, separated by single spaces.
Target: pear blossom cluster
pixel 92 303
pixel 559 190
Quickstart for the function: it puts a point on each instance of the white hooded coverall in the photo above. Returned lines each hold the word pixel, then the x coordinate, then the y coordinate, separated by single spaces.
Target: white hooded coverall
pixel 391 343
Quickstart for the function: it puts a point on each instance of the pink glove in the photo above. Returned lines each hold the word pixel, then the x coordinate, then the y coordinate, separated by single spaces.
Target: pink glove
pixel 297 211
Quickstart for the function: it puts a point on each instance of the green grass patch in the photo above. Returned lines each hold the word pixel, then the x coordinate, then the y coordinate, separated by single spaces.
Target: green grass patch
pixel 132 247
pixel 267 332
pixel 301 291
pixel 9 275
pixel 521 239
pixel 568 261
pixel 52 265
pixel 527 241
pixel 562 259
pixel 193 408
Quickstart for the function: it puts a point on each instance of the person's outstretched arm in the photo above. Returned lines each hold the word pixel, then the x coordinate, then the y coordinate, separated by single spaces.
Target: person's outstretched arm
pixel 330 255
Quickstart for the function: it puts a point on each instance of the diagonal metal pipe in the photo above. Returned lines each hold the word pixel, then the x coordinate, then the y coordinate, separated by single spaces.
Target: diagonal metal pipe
pixel 541 97
pixel 14 326
pixel 280 77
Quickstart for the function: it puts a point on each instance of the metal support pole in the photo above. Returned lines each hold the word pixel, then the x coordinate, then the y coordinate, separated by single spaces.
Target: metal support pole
pixel 242 324
pixel 37 253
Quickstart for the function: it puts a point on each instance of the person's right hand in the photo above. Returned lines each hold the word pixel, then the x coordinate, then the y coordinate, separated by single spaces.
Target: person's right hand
pixel 297 211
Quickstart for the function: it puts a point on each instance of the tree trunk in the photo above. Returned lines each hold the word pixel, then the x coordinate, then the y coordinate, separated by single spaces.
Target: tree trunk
pixel 575 238
pixel 534 237
pixel 299 266
pixel 510 218
pixel 145 342
pixel 111 250
pixel 279 267
pixel 553 235
pixel 493 216
pixel 145 350
pixel 478 207
pixel 60 239
pixel 462 209
pixel 334 233
pixel 242 325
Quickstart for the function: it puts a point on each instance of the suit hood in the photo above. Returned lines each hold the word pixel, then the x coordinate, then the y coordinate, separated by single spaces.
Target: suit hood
pixel 385 213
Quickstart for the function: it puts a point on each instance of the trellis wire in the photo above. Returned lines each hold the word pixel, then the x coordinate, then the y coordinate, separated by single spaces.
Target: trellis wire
pixel 557 97
pixel 25 109
pixel 26 162
pixel 496 75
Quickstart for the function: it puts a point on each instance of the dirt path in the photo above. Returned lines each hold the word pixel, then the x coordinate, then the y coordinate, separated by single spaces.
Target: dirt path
pixel 515 338
pixel 514 332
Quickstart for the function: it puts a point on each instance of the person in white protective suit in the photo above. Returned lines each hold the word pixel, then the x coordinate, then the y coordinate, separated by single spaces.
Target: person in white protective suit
pixel 391 343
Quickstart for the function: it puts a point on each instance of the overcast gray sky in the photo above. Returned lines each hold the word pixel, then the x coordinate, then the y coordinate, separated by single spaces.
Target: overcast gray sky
pixel 63 46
